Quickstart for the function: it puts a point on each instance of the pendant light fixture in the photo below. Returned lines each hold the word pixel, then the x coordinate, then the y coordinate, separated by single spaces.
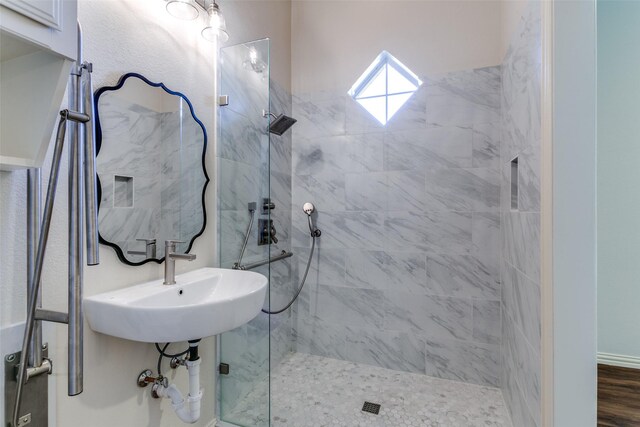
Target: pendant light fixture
pixel 216 25
pixel 183 9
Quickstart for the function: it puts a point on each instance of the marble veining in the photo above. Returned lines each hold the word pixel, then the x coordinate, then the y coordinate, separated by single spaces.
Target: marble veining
pixel 410 220
pixel 520 229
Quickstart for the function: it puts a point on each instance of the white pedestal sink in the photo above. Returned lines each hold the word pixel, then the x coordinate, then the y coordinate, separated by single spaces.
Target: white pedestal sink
pixel 202 303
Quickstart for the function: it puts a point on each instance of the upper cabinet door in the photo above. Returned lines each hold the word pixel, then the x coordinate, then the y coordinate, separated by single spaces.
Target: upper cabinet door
pixel 46 12
pixel 49 24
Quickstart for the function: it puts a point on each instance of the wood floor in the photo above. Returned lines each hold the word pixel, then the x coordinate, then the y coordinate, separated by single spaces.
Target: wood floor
pixel 618 396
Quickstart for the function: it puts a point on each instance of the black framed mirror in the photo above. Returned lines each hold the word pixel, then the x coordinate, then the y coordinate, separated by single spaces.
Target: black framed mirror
pixel 151 169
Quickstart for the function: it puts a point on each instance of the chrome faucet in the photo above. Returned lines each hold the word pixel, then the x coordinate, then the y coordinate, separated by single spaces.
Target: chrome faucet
pixel 170 257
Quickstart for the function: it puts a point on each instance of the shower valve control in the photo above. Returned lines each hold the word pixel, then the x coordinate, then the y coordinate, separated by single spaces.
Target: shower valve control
pixel 267 233
pixel 267 205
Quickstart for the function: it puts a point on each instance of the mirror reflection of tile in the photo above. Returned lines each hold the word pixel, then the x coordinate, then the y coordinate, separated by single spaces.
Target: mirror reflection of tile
pixel 150 169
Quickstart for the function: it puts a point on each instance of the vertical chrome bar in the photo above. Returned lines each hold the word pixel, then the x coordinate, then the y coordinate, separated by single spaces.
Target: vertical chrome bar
pixel 90 183
pixel 34 201
pixel 76 196
pixel 37 271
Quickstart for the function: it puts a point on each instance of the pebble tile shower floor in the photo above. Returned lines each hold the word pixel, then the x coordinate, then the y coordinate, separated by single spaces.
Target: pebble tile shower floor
pixel 313 391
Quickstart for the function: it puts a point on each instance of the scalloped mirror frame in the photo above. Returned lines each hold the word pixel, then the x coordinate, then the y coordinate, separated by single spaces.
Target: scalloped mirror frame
pixel 102 90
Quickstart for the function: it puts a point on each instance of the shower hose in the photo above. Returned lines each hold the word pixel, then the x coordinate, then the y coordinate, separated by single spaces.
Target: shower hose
pixel 315 233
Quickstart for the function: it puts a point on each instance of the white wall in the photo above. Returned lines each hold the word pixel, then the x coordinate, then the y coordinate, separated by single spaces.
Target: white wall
pixel 249 20
pixel 335 41
pixel 618 179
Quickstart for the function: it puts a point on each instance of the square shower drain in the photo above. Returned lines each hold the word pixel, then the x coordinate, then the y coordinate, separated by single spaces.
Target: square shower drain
pixel 370 407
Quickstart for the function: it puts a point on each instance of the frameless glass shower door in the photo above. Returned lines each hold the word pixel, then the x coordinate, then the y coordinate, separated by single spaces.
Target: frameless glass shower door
pixel 243 181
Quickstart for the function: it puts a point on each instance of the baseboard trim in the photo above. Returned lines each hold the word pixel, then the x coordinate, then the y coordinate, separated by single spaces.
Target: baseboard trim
pixel 619 360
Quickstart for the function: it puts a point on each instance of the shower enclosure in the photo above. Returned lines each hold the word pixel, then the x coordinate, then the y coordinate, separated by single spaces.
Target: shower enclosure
pixel 418 277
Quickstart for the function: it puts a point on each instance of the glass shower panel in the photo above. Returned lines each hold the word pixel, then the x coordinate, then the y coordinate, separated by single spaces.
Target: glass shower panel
pixel 243 177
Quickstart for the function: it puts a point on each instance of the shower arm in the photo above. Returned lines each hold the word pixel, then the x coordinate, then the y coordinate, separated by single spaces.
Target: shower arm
pixel 82 190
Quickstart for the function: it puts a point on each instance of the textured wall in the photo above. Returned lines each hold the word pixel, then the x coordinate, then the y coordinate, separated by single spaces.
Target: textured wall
pixel 520 229
pixel 406 272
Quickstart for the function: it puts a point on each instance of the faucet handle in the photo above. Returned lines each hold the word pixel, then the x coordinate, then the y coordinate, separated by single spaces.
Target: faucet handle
pixel 170 245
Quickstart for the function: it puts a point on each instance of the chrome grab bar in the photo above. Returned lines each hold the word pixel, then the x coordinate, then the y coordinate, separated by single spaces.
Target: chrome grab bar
pixel 283 255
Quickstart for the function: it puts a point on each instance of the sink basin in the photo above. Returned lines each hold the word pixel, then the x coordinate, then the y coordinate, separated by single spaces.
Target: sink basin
pixel 202 303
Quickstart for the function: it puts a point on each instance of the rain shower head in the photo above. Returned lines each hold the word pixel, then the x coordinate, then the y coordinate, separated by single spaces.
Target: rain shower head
pixel 281 124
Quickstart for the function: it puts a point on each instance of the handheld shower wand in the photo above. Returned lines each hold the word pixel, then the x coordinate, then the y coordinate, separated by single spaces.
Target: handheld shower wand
pixel 308 208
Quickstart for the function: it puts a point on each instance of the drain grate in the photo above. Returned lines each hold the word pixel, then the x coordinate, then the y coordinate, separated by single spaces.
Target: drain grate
pixel 370 407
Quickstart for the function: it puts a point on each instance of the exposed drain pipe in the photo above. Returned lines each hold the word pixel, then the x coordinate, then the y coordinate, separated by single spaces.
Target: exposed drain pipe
pixel 188 410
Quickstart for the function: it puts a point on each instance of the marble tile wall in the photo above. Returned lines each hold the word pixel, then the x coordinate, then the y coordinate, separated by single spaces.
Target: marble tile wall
pixel 520 229
pixel 254 165
pixel 406 273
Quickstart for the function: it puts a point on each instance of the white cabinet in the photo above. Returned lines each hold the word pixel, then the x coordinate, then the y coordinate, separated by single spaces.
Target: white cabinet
pixel 49 24
pixel 38 44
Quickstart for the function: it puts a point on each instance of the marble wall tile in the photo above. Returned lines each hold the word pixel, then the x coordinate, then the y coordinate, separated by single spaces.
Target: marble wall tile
pixel 521 297
pixel 485 230
pixel 401 271
pixel 529 180
pixel 344 306
pixel 320 117
pixel 448 232
pixel 521 242
pixel 336 154
pixel 447 107
pixel 327 266
pixel 433 232
pixel 525 366
pixel 343 230
pixel 462 189
pixel 366 191
pixel 486 321
pixel 520 413
pixel 406 190
pixel 431 316
pixel 486 145
pixel 326 191
pixel 463 360
pixel 392 350
pixel 435 147
pixel 462 276
pixel 425 266
pixel 322 338
pixel 520 229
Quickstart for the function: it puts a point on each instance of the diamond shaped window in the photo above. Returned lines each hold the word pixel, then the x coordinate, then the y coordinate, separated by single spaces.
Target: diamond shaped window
pixel 385 87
